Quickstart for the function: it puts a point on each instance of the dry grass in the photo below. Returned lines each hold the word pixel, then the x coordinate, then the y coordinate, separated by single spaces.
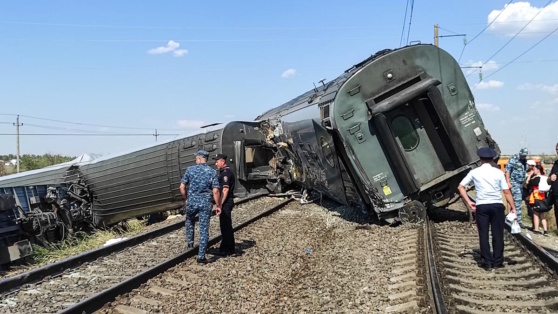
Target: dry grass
pixel 81 242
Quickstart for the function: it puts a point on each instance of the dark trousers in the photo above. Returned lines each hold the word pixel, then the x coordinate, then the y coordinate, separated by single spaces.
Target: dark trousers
pixel 493 216
pixel 225 222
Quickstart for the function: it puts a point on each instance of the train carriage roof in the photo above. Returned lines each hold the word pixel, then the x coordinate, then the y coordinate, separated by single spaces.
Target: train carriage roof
pixel 322 94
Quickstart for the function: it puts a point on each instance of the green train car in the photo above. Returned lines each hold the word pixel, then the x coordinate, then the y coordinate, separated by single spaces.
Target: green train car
pixel 394 134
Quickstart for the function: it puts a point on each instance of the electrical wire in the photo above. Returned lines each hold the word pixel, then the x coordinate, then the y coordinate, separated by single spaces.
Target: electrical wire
pixel 410 20
pixel 514 36
pixel 184 27
pixel 404 22
pixel 487 26
pixel 87 134
pixel 95 125
pixel 48 127
pixel 447 30
pixel 523 53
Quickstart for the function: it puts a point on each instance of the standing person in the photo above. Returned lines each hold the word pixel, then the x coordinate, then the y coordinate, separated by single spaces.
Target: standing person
pixel 226 185
pixel 525 191
pixel 553 181
pixel 201 180
pixel 490 211
pixel 516 172
pixel 533 181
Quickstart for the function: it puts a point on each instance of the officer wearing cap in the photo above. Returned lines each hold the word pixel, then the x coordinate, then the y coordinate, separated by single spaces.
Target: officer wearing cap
pixel 202 181
pixel 226 185
pixel 490 211
pixel 516 172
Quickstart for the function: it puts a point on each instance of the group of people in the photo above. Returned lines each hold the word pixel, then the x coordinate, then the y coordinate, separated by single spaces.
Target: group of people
pixel 529 184
pixel 489 184
pixel 198 185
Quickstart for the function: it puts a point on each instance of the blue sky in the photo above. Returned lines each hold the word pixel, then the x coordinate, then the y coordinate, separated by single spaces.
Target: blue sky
pixel 114 67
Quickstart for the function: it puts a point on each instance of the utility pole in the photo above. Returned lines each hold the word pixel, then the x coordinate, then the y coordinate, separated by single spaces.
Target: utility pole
pixel 156 134
pixel 17 125
pixel 436 35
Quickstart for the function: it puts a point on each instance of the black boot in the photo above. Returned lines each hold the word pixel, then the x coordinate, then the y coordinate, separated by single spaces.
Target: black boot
pixel 190 245
pixel 202 260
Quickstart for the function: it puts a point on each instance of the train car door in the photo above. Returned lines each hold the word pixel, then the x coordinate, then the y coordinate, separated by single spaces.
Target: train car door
pixel 414 143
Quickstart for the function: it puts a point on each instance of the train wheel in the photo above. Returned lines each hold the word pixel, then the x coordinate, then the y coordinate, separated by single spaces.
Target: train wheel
pixel 414 212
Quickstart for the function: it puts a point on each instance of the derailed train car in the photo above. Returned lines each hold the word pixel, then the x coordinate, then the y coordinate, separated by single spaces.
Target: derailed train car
pixel 392 135
pixel 48 203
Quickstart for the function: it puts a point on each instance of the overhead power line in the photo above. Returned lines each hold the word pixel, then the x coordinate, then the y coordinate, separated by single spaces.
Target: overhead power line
pixel 514 36
pixel 410 20
pixel 487 26
pixel 87 134
pixel 404 22
pixel 89 124
pixel 519 32
pixel 226 27
pixel 185 27
pixel 523 53
pixel 48 127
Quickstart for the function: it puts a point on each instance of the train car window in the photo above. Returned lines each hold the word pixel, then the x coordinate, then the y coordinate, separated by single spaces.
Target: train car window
pixel 403 129
pixel 326 150
pixel 325 112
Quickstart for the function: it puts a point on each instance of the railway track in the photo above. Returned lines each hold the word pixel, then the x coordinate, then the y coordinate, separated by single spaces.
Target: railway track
pixel 429 268
pixel 526 284
pixel 301 259
pixel 52 289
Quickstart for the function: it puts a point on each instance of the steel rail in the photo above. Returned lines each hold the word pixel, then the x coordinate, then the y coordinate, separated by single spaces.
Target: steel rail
pixel 13 283
pixel 538 251
pixel 433 282
pixel 100 299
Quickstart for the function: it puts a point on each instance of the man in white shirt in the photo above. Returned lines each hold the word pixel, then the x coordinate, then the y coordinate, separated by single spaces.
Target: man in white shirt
pixel 490 211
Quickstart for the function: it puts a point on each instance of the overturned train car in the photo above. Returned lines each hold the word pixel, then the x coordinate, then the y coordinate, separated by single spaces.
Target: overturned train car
pixel 46 204
pixel 394 134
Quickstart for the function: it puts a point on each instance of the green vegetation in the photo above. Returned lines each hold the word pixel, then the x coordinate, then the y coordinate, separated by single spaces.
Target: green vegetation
pixel 31 162
pixel 81 242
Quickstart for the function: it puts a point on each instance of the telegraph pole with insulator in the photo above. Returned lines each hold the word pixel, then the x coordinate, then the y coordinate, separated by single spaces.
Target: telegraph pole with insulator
pixel 17 125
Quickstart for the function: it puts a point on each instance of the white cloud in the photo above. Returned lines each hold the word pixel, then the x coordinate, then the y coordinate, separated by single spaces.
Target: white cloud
pixel 190 124
pixel 487 107
pixel 516 15
pixel 180 52
pixel 289 73
pixel 545 107
pixel 553 89
pixel 488 85
pixel 171 46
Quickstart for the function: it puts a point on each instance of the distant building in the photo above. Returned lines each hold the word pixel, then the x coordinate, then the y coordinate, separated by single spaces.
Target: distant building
pixel 11 163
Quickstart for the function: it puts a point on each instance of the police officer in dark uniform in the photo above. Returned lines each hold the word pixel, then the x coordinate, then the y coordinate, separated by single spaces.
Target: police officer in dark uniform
pixel 201 180
pixel 226 185
pixel 490 211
